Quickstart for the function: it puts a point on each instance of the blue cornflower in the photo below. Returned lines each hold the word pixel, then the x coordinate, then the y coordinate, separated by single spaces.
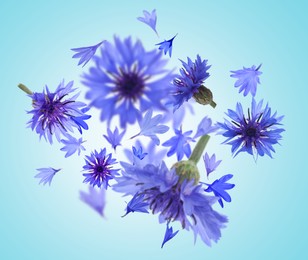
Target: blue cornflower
pixel 137 204
pixel 166 46
pixel 85 53
pixel 179 144
pixel 149 19
pixel 173 200
pixel 191 78
pixel 114 138
pixel 255 134
pixel 72 145
pixel 151 126
pixel 127 80
pixel 139 153
pixel 218 187
pixel 54 113
pixel 46 175
pixel 99 169
pixel 95 198
pixel 169 234
pixel 247 79
pixel 210 163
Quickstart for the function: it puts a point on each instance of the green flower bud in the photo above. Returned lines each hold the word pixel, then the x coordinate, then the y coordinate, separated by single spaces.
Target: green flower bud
pixel 187 170
pixel 204 96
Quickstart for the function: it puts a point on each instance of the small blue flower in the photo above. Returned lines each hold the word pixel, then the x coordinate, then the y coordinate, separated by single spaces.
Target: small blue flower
pixel 127 80
pixel 210 163
pixel 85 53
pixel 255 134
pixel 137 204
pixel 166 46
pixel 205 127
pixel 169 234
pixel 179 144
pixel 55 114
pixel 72 145
pixel 46 175
pixel 247 79
pixel 99 169
pixel 149 19
pixel 139 153
pixel 149 126
pixel 95 198
pixel 218 187
pixel 114 138
pixel 190 79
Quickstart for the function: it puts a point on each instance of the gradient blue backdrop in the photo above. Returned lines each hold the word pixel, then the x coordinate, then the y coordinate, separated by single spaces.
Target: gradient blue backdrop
pixel 268 213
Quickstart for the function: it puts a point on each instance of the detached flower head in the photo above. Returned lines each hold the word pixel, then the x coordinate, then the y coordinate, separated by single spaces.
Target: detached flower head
pixel 55 114
pixel 256 133
pixel 127 80
pixel 247 79
pixel 149 19
pixel 190 79
pixel 166 46
pixel 173 200
pixel 99 169
pixel 85 53
pixel 46 175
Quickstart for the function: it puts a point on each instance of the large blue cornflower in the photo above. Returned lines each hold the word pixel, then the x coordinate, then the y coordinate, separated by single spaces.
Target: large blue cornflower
pixel 99 169
pixel 191 78
pixel 127 80
pixel 55 114
pixel 172 199
pixel 256 133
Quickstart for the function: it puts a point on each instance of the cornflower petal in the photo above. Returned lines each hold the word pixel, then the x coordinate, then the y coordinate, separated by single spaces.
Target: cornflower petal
pixel 205 127
pixel 166 46
pixel 85 53
pixel 46 175
pixel 114 138
pixel 150 19
pixel 138 153
pixel 210 163
pixel 72 145
pixel 169 234
pixel 137 204
pixel 95 198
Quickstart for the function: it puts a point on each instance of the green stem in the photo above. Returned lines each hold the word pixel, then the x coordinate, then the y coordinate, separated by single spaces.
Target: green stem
pixel 199 148
pixel 25 89
pixel 213 104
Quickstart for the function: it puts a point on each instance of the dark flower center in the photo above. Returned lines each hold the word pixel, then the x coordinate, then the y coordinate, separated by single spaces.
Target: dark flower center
pixel 130 85
pixel 251 132
pixel 100 169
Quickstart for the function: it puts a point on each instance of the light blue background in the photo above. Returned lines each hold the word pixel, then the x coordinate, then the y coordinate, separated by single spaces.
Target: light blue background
pixel 268 214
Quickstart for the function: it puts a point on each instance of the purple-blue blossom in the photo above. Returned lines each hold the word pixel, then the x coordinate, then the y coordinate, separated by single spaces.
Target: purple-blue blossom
pixel 150 19
pixel 115 137
pixel 95 198
pixel 137 204
pixel 210 163
pixel 99 169
pixel 55 113
pixel 247 79
pixel 255 133
pixel 219 187
pixel 72 145
pixel 46 175
pixel 85 54
pixel 179 144
pixel 166 46
pixel 138 152
pixel 127 80
pixel 169 234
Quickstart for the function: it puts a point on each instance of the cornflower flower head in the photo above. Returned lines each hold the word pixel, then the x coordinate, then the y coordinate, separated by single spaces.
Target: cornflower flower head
pixel 189 83
pixel 46 175
pixel 166 46
pixel 150 19
pixel 127 80
pixel 256 133
pixel 247 79
pixel 99 169
pixel 173 199
pixel 54 113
